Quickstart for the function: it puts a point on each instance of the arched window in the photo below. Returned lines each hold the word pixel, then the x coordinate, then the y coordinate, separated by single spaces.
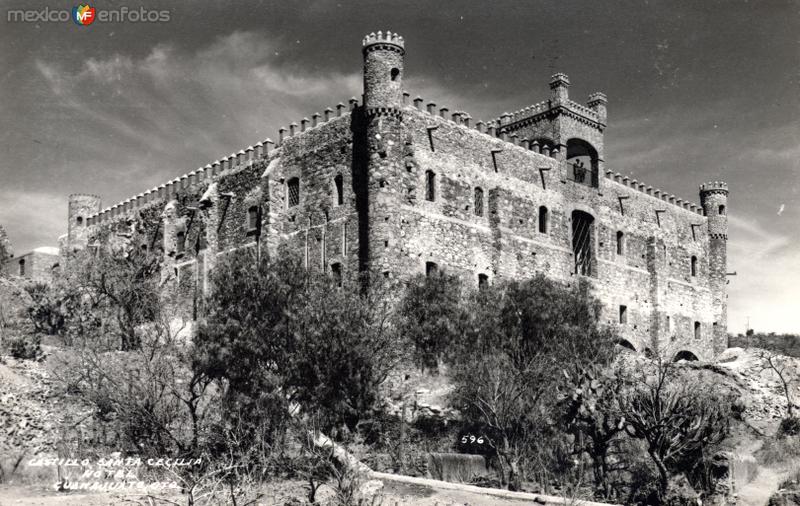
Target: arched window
pixel 582 162
pixel 292 192
pixel 394 73
pixel 483 280
pixel 697 330
pixel 583 243
pixel 431 269
pixel 22 267
pixel 338 183
pixel 694 265
pixel 620 243
pixel 623 315
pixel 79 221
pixel 721 209
pixel 478 209
pixel 430 185
pixel 180 242
pixel 252 218
pixel 544 217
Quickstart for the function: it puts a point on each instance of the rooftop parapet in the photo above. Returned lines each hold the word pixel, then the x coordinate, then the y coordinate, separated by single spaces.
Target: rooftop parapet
pixel 654 192
pixel 383 38
pixel 714 187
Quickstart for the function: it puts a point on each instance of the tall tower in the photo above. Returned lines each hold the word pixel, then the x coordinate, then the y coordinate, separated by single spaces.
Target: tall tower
pixel 714 199
pixel 383 142
pixel 80 208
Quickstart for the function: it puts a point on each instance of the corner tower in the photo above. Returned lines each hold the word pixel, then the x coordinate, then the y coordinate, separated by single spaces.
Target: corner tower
pixel 714 199
pixel 383 141
pixel 383 72
pixel 80 208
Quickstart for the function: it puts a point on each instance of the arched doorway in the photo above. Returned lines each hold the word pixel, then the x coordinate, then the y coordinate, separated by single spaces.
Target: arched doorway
pixel 624 343
pixel 583 243
pixel 582 163
pixel 685 355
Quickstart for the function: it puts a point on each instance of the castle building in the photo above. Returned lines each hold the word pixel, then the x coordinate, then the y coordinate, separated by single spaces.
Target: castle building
pixel 396 186
pixel 39 264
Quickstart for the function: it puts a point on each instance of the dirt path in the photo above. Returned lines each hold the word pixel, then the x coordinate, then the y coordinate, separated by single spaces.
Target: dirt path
pixel 758 491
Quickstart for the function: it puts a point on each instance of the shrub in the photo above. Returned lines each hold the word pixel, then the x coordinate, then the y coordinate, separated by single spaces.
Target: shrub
pixel 25 347
pixel 789 426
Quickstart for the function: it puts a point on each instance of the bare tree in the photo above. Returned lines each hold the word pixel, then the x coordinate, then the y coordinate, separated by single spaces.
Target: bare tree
pixel 785 369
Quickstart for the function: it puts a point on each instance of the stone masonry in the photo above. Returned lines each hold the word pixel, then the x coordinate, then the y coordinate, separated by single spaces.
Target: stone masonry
pixel 396 187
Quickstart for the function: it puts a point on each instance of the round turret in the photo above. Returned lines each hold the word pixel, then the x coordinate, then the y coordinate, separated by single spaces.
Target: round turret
pixel 383 72
pixel 81 207
pixel 714 199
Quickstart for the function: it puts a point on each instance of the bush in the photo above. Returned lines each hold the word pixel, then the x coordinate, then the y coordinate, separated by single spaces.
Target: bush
pixel 789 426
pixel 25 347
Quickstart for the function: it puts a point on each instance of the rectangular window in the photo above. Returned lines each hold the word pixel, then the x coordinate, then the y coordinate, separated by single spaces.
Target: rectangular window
pixel 336 272
pixel 483 280
pixel 430 186
pixel 478 202
pixel 293 192
pixel 697 330
pixel 623 315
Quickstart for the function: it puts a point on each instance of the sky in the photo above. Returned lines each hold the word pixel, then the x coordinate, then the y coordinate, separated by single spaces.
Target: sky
pixel 698 91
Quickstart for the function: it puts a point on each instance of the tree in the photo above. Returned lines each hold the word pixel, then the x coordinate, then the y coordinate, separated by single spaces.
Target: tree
pixel 594 415
pixel 429 313
pixel 6 251
pixel 678 420
pixel 275 329
pixel 785 369
pixel 130 361
pixel 517 338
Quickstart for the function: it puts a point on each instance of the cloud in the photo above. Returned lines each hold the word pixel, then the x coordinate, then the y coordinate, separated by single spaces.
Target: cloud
pixel 45 215
pixel 765 287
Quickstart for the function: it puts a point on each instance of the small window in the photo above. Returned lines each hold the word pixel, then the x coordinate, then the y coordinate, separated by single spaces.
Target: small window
pixel 623 315
pixel 180 243
pixel 79 221
pixel 478 209
pixel 395 73
pixel 252 219
pixel 338 183
pixel 483 280
pixel 544 220
pixel 721 210
pixel 22 267
pixel 669 324
pixel 430 186
pixel 431 269
pixel 620 243
pixel 694 266
pixel 697 331
pixel 336 272
pixel 293 192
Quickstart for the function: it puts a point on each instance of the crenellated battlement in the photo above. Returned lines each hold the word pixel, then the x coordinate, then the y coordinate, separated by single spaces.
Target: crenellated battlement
pixel 653 192
pixel 714 187
pixel 383 38
pixel 244 157
pixel 489 128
